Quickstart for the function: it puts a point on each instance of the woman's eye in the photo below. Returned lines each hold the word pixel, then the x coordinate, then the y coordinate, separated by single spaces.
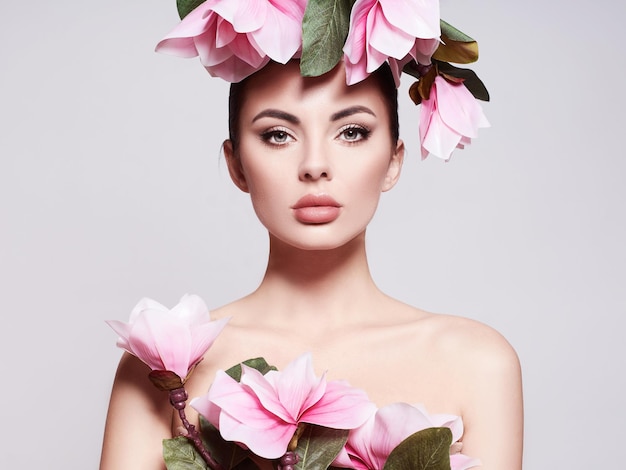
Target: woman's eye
pixel 354 134
pixel 276 137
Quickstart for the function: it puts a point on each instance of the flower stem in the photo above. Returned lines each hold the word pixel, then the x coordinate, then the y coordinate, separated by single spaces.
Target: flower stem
pixel 178 397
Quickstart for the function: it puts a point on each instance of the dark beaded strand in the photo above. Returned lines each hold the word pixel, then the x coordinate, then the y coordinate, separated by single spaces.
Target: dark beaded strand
pixel 288 460
pixel 178 397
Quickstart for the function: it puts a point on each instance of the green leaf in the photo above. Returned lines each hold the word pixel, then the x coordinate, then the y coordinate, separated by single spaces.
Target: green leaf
pixel 179 454
pixel 227 453
pixel 456 46
pixel 451 32
pixel 257 363
pixel 470 79
pixel 325 27
pixel 318 446
pixel 428 449
pixel 187 6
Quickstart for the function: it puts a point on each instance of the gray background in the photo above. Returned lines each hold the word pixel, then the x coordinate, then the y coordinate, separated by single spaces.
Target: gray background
pixel 112 187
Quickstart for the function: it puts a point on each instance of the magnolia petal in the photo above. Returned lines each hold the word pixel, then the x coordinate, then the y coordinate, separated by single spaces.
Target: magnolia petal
pixel 369 445
pixel 171 339
pixel 123 330
pixel 398 421
pixel 424 49
pixel 265 391
pixel 179 41
pixel 269 442
pixel 294 9
pixel 374 59
pixel 342 459
pixel 224 33
pixel 210 54
pixel 439 139
pixel 241 419
pixel 147 352
pixel 459 109
pixel 341 407
pixel 280 37
pixel 192 309
pixel 419 18
pixel 240 404
pixel 145 304
pixel 234 70
pixel 449 119
pixel 244 48
pixel 179 47
pixel 165 339
pixel 385 38
pixel 203 336
pixel 361 446
pixel 391 425
pixel 454 423
pixel 244 15
pixel 297 386
pixel 396 67
pixel 463 462
pixel 356 72
pixel 354 47
pixel 206 408
pixel 428 109
pixel 194 24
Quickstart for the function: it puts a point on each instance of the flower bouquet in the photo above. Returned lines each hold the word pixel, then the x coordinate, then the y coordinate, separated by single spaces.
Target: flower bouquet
pixel 256 417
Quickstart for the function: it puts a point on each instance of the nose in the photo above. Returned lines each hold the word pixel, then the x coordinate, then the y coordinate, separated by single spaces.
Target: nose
pixel 315 164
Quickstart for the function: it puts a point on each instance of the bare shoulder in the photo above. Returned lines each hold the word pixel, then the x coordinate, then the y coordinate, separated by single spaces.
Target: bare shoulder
pixel 455 352
pixel 487 378
pixel 466 340
pixel 138 419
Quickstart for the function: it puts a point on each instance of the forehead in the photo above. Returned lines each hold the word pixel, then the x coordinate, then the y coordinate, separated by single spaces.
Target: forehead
pixel 283 86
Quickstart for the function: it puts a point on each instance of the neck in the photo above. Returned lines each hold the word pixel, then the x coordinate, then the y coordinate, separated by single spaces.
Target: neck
pixel 309 283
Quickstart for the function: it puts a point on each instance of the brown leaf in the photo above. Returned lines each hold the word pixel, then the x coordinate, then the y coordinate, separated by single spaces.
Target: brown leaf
pixel 458 52
pixel 452 78
pixel 414 93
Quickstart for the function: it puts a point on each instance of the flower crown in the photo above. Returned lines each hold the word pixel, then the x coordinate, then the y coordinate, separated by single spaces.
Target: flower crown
pixel 235 38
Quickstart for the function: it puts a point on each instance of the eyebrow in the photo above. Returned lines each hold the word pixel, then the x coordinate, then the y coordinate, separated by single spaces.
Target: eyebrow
pixel 276 113
pixel 350 111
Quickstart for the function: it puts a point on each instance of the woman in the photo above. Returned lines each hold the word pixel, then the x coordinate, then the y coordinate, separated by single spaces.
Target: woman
pixel 315 155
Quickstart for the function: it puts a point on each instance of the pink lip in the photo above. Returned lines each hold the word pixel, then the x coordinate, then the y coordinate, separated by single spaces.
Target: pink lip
pixel 316 209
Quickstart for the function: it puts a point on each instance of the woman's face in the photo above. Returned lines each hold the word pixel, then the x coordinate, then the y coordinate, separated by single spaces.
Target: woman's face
pixel 314 154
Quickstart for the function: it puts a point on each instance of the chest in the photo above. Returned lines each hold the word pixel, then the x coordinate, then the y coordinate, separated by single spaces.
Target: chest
pixel 391 366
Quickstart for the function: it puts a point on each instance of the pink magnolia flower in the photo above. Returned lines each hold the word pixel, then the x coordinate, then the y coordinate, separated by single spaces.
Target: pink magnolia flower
pixel 263 411
pixel 449 119
pixel 383 29
pixel 169 340
pixel 235 38
pixel 369 445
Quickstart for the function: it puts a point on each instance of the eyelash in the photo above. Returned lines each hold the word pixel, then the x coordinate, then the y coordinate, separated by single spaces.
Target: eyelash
pixel 362 132
pixel 269 134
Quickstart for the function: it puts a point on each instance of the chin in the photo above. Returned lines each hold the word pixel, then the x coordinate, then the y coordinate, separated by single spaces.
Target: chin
pixel 319 241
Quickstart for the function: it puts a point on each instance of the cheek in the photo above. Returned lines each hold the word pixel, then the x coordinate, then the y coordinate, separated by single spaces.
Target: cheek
pixel 365 189
pixel 263 181
pixel 368 179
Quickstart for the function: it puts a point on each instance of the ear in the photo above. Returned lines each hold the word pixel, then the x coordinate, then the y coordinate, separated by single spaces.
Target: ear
pixel 395 167
pixel 234 167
